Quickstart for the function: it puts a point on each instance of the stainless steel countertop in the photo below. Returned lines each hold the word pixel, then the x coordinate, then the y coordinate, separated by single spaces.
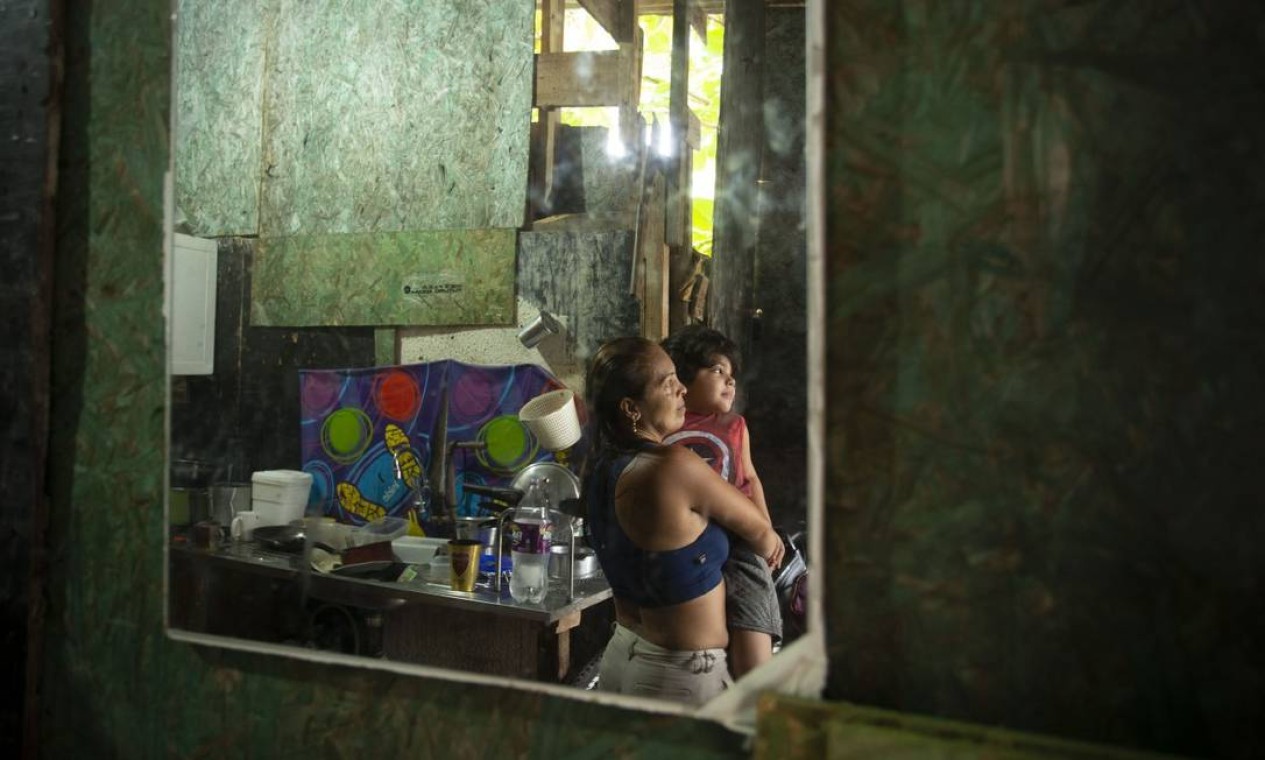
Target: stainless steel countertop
pixel 385 595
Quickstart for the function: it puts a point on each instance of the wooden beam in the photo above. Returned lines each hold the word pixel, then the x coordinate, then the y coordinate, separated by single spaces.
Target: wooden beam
pixel 552 33
pixel 678 107
pixel 698 20
pixel 677 225
pixel 583 79
pixel 664 7
pixel 612 15
pixel 694 132
pixel 651 282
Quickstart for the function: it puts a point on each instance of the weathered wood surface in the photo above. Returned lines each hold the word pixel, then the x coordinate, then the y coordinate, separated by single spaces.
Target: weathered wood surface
pixel 798 729
pixel 580 277
pixel 435 277
pixel 586 78
pixel 613 15
pixel 30 111
pixel 1044 357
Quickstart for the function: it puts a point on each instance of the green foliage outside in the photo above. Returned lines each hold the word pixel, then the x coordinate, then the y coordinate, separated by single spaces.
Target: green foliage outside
pixel 583 33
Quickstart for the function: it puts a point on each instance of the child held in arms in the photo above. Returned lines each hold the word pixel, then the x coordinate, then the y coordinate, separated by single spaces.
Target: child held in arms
pixel 707 365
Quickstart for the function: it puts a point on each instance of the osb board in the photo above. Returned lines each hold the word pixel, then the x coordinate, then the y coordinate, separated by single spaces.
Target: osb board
pixel 434 277
pixel 1044 362
pixel 588 179
pixel 220 50
pixel 790 728
pixel 397 116
pixel 583 278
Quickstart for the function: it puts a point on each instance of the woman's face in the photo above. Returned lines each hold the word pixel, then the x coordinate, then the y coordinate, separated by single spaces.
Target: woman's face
pixel 661 409
pixel 712 390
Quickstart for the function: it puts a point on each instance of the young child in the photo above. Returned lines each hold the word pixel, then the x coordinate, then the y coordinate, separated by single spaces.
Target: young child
pixel 707 364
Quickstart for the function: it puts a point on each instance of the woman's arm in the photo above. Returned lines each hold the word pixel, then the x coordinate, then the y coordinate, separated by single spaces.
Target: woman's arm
pixel 710 496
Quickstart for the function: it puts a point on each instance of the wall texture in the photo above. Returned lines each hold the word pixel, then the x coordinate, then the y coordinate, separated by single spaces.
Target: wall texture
pixel 113 685
pixel 1044 366
pixel 1042 506
pixel 29 105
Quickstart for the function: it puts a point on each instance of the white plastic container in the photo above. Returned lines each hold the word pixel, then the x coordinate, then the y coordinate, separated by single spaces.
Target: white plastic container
pixel 417 550
pixel 553 419
pixel 280 496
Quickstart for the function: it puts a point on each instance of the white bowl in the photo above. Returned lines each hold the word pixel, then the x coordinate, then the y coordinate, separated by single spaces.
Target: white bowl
pixel 416 550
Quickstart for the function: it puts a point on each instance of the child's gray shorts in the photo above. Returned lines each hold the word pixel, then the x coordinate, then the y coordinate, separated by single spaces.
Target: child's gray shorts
pixel 750 598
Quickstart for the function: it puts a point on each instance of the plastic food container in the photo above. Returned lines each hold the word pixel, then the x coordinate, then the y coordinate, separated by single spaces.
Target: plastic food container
pixel 416 550
pixel 279 496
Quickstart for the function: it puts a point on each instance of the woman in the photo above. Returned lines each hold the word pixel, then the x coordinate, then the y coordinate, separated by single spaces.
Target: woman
pixel 656 515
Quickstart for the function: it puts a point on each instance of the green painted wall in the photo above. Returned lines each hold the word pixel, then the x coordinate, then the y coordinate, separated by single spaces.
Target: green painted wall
pixel 1045 360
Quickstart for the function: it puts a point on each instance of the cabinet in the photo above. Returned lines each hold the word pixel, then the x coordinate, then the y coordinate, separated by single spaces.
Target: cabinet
pixel 191 305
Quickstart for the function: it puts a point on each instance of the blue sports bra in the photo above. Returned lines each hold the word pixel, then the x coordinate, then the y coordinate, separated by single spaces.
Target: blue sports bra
pixel 648 578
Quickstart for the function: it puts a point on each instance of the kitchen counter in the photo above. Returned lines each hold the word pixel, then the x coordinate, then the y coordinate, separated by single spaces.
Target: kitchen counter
pixel 242 590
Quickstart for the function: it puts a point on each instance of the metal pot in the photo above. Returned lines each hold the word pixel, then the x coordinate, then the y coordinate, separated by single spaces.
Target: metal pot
pixel 481 529
pixel 585 562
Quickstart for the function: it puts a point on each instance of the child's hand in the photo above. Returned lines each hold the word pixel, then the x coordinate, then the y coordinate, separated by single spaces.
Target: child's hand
pixel 770 546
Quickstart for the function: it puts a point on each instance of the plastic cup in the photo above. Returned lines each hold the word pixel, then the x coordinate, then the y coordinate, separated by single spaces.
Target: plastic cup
pixel 463 563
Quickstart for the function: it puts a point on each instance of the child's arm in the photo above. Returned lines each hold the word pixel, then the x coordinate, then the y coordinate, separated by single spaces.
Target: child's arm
pixel 753 479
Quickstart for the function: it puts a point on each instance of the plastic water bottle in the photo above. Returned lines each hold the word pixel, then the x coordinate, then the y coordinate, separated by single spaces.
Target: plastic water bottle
pixel 533 535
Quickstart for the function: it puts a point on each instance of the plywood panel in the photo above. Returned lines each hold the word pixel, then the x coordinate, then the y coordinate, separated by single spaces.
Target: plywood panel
pixel 435 277
pixel 397 116
pixel 589 180
pixel 219 85
pixel 581 277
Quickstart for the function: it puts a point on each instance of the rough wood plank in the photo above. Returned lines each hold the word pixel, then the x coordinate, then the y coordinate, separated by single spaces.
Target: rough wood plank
pixel 678 105
pixel 583 79
pixel 397 116
pixel 693 132
pixel 739 154
pixel 433 277
pixel 794 728
pixel 651 281
pixel 544 135
pixel 657 305
pixel 613 15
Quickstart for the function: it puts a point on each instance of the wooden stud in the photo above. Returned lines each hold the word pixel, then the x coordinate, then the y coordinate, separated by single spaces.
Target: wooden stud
pixel 545 136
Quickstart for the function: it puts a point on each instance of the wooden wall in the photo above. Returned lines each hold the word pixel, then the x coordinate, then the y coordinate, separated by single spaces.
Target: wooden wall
pixel 1044 360
pixel 1043 405
pixel 29 105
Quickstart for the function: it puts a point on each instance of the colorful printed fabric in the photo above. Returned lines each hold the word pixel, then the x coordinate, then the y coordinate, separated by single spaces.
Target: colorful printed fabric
pixel 367 433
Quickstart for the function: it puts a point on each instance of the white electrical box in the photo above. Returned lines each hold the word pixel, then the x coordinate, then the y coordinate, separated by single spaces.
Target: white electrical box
pixel 192 305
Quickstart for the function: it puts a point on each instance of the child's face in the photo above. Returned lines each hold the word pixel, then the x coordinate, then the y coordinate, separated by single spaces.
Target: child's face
pixel 713 388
